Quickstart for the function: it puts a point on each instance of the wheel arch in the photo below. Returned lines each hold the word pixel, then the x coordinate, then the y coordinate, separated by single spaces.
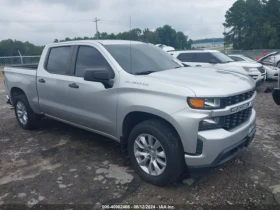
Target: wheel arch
pixel 133 118
pixel 14 92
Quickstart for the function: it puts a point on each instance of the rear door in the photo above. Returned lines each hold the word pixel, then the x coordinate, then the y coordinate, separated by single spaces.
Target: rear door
pixel 90 104
pixel 52 81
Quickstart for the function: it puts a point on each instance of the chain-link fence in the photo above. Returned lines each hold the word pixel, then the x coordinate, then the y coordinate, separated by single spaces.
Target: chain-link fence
pixel 14 60
pixel 252 53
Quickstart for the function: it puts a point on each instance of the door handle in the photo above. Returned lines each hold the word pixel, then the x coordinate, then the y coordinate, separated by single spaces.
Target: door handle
pixel 73 85
pixel 41 80
pixel 198 65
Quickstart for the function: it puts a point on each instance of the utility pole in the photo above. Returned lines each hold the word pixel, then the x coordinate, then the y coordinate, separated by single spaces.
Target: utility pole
pixel 96 20
pixel 224 39
pixel 20 57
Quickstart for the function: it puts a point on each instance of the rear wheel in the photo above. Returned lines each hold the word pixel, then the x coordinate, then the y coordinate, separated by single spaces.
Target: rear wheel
pixel 156 152
pixel 25 116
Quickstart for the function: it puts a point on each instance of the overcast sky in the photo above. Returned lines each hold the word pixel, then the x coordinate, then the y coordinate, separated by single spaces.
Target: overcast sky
pixel 42 21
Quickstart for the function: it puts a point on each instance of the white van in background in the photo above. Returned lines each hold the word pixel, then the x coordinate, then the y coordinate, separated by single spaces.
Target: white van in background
pixel 216 59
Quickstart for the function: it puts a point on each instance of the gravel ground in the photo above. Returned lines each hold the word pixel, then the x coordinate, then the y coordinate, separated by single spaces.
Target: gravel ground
pixel 61 164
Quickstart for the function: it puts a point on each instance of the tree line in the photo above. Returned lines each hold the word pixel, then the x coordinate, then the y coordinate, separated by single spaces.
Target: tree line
pixel 162 35
pixel 11 47
pixel 253 24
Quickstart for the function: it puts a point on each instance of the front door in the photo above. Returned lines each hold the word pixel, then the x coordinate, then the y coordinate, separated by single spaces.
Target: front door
pixel 91 104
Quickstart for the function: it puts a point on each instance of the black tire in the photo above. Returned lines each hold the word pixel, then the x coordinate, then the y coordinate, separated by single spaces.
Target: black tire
pixel 33 119
pixel 278 64
pixel 165 134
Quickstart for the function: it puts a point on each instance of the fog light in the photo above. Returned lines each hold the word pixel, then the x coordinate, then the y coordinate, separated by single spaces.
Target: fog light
pixel 210 123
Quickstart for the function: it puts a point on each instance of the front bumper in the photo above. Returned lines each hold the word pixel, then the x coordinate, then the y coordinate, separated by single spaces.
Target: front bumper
pixel 272 74
pixel 224 156
pixel 219 140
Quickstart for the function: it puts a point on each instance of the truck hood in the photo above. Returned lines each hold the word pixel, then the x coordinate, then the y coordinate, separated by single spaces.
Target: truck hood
pixel 206 81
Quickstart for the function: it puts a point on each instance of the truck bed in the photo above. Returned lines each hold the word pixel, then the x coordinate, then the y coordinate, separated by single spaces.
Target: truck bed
pixel 24 78
pixel 25 66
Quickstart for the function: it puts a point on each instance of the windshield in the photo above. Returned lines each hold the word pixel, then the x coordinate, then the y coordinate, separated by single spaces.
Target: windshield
pixel 271 58
pixel 248 58
pixel 139 58
pixel 222 57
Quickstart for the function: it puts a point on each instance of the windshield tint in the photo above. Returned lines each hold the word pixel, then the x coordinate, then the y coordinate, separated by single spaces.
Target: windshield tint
pixel 222 57
pixel 137 58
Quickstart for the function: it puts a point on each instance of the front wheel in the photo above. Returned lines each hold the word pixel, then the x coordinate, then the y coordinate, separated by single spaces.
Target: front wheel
pixel 156 152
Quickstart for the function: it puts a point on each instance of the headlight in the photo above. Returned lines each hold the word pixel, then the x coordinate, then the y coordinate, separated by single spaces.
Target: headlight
pixel 204 103
pixel 211 123
pixel 273 67
pixel 249 69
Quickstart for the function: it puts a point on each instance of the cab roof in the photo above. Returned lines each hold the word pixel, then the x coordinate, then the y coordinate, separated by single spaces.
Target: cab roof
pixel 192 51
pixel 103 42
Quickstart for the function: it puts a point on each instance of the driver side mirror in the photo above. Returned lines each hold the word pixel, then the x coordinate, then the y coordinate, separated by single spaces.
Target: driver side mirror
pixel 99 75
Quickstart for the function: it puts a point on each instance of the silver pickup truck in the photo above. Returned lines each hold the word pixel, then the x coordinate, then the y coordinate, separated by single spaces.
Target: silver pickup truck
pixel 169 117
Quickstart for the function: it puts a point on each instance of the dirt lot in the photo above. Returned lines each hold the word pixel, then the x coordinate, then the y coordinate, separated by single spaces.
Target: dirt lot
pixel 60 164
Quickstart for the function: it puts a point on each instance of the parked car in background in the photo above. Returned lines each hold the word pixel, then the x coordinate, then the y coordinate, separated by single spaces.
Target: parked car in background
pixel 168 117
pixel 275 58
pixel 165 47
pixel 270 68
pixel 270 62
pixel 216 59
pixel 242 58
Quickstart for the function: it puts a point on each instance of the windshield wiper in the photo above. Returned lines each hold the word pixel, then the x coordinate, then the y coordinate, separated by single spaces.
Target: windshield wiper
pixel 144 72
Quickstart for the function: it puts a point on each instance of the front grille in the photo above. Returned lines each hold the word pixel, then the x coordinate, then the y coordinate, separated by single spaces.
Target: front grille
pixel 239 98
pixel 261 69
pixel 236 119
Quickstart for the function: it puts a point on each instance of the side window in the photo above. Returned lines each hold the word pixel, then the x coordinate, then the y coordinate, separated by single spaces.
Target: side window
pixel 90 58
pixel 58 60
pixel 186 57
pixel 205 57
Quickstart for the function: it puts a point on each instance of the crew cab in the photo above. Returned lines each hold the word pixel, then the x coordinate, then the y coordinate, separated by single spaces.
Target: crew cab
pixel 169 117
pixel 216 59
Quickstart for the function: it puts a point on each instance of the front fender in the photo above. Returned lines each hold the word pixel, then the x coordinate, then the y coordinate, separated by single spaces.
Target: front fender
pixel 144 109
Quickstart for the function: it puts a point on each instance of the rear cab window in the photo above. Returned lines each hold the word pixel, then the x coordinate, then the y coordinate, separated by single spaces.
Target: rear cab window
pixel 58 61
